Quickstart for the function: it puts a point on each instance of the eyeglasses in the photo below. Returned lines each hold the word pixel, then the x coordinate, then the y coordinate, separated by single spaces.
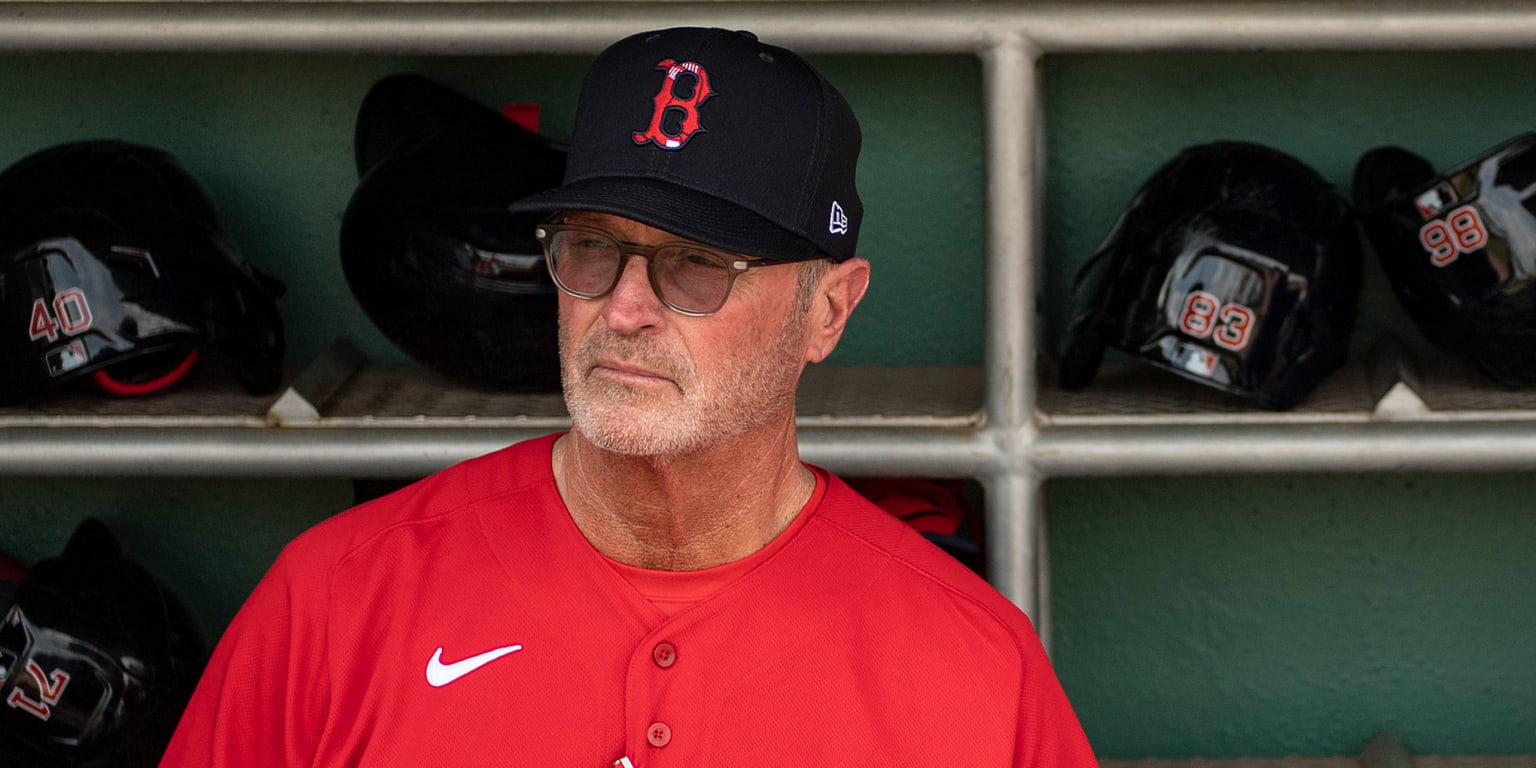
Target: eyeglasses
pixel 689 278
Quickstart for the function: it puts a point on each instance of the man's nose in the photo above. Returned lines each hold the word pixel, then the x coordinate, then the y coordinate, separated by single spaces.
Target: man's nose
pixel 633 304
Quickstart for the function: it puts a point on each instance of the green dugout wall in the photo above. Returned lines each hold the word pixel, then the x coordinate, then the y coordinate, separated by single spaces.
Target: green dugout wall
pixel 1220 614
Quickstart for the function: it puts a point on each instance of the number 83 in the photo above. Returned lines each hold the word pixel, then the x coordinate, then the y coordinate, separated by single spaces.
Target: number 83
pixel 1204 316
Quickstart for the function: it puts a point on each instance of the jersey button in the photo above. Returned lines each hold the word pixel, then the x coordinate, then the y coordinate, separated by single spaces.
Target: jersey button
pixel 664 654
pixel 659 734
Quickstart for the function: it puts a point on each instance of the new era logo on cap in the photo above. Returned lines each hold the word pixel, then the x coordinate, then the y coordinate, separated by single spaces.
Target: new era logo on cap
pixel 714 136
pixel 838 224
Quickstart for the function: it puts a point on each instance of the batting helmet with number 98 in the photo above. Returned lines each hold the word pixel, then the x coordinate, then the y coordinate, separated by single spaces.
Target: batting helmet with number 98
pixel 1460 249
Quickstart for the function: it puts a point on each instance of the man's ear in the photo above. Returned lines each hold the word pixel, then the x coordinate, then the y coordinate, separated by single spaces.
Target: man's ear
pixel 840 290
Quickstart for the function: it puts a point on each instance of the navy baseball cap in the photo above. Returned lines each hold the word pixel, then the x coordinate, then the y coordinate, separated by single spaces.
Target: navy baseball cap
pixel 716 137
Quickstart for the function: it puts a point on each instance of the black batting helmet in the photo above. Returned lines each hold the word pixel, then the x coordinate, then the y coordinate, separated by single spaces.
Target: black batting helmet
pixel 97 660
pixel 1236 266
pixel 428 246
pixel 114 263
pixel 1460 249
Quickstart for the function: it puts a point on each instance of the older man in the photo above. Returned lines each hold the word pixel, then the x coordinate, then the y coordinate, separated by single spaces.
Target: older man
pixel 666 584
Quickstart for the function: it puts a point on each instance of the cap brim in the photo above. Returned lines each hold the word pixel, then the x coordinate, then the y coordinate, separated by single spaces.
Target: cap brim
pixel 678 210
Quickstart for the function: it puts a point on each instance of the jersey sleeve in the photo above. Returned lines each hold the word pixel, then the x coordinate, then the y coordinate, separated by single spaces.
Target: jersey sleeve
pixel 1049 733
pixel 263 697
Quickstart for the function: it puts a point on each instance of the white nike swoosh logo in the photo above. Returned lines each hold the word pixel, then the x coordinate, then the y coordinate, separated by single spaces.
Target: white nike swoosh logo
pixel 440 674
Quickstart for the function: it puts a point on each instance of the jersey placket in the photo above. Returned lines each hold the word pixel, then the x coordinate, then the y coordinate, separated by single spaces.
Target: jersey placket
pixel 657 713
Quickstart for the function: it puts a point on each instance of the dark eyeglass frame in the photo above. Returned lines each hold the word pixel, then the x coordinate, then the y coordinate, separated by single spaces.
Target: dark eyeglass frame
pixel 733 264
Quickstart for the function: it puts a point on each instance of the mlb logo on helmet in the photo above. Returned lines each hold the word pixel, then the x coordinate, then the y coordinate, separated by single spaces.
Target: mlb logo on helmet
pixel 67 358
pixel 1435 200
pixel 716 137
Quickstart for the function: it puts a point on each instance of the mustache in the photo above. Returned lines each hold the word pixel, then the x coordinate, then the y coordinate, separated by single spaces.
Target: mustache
pixel 643 351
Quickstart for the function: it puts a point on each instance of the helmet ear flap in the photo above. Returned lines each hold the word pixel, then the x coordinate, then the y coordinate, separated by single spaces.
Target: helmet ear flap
pixel 1386 173
pixel 1080 362
pixel 91 542
pixel 394 113
pixel 403 111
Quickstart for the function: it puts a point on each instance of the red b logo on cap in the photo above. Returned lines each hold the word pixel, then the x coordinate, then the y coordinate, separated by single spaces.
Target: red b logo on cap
pixel 667 100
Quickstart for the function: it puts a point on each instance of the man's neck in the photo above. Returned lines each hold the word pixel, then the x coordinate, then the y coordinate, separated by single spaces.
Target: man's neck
pixel 684 513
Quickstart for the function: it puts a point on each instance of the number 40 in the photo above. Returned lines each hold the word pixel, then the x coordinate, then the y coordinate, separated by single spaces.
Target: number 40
pixel 71 314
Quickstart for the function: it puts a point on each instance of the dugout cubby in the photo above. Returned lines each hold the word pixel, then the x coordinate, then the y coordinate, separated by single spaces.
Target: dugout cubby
pixel 1002 422
pixel 1429 455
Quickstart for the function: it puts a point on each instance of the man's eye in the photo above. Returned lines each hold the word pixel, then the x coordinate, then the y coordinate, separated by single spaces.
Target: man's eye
pixel 698 259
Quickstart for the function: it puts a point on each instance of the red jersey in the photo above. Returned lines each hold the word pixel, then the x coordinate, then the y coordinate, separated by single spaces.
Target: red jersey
pixel 465 621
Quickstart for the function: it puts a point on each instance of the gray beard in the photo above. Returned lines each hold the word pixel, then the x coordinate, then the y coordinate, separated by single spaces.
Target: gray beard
pixel 629 422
